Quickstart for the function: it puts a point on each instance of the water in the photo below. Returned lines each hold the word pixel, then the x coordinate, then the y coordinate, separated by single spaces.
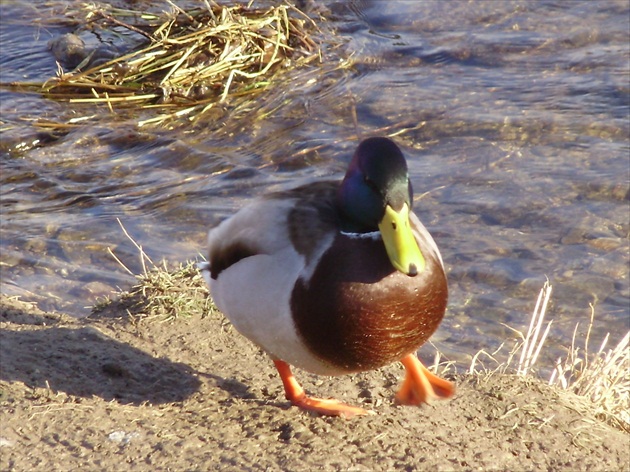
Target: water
pixel 514 117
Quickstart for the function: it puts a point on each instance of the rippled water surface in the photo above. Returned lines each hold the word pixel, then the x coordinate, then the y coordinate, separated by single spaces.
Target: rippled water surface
pixel 514 117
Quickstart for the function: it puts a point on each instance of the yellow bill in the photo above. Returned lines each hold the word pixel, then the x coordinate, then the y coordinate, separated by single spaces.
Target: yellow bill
pixel 402 249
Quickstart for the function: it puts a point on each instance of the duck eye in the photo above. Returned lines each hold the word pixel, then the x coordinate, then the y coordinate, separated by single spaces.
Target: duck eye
pixel 371 184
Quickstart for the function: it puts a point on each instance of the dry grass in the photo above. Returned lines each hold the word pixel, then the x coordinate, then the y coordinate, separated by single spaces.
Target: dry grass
pixel 603 376
pixel 188 61
pixel 162 293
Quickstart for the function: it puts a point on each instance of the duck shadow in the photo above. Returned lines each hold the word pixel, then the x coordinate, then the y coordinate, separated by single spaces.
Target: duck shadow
pixel 237 390
pixel 84 362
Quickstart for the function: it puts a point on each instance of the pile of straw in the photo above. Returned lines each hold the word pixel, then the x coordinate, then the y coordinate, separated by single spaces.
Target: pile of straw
pixel 191 60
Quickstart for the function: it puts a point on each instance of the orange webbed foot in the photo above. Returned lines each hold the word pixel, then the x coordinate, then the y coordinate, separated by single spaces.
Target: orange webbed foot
pixel 328 407
pixel 420 385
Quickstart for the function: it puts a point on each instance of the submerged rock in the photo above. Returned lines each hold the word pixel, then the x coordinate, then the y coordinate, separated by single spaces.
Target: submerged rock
pixel 71 51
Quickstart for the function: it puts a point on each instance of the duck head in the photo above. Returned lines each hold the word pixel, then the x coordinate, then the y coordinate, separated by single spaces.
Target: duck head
pixel 376 194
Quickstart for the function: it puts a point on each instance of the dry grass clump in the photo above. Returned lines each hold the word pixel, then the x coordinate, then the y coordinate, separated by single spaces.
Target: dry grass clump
pixel 162 293
pixel 190 60
pixel 603 377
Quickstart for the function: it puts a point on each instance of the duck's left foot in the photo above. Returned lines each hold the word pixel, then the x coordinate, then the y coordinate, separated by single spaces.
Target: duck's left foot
pixel 420 385
pixel 328 407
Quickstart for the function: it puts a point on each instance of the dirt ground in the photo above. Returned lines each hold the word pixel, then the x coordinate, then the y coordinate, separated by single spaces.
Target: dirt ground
pixel 115 393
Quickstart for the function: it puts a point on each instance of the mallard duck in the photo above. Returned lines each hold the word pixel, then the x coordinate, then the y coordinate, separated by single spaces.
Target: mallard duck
pixel 335 278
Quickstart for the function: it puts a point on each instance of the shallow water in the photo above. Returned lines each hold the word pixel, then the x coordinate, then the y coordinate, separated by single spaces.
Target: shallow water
pixel 513 117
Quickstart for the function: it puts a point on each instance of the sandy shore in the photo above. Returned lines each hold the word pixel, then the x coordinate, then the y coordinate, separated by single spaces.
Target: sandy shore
pixel 111 392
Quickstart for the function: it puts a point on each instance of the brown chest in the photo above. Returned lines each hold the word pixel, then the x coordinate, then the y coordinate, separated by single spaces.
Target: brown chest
pixel 358 313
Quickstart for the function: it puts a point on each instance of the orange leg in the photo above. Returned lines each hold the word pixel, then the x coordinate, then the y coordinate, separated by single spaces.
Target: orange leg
pixel 296 395
pixel 420 385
